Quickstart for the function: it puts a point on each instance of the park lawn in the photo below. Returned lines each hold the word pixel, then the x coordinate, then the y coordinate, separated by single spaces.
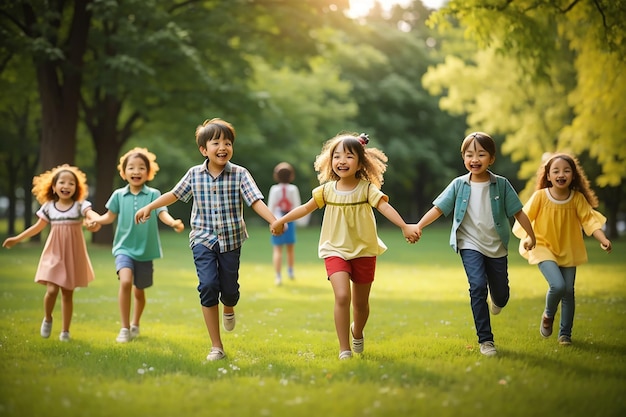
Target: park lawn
pixel 421 355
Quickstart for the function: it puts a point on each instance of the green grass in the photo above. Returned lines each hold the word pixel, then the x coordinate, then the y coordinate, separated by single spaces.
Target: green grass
pixel 421 355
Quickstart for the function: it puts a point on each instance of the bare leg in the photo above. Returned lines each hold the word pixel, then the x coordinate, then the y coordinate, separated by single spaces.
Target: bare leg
pixel 49 300
pixel 67 308
pixel 140 305
pixel 212 321
pixel 126 286
pixel 341 287
pixel 360 307
pixel 291 257
pixel 277 259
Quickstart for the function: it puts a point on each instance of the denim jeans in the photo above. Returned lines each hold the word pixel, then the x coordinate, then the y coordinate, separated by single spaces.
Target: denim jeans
pixel 485 275
pixel 561 290
pixel 218 275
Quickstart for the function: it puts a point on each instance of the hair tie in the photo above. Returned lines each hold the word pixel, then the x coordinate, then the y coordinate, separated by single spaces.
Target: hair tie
pixel 364 139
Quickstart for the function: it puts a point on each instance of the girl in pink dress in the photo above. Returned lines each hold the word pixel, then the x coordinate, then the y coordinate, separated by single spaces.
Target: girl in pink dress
pixel 64 262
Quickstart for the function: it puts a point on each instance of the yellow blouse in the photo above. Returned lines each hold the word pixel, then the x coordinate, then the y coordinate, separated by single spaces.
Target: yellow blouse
pixel 349 226
pixel 558 227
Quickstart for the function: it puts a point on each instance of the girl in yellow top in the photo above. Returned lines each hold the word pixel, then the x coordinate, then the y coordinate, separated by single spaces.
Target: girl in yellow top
pixel 560 209
pixel 350 176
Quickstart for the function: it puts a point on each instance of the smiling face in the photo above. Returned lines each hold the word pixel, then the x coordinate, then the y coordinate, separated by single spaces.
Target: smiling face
pixel 345 163
pixel 136 172
pixel 477 160
pixel 65 186
pixel 560 174
pixel 218 151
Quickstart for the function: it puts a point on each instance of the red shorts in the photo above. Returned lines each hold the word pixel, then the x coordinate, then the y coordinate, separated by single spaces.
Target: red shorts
pixel 361 270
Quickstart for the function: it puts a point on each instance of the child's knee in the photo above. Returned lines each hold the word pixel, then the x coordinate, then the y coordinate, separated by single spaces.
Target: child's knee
pixel 230 300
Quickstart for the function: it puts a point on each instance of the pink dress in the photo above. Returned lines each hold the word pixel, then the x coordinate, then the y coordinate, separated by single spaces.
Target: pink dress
pixel 64 260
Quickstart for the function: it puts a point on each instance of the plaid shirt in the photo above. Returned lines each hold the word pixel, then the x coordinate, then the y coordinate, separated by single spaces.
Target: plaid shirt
pixel 217 211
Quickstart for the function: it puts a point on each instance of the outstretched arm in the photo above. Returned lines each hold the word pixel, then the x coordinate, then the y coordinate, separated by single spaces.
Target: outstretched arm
pixel 296 213
pixel 143 213
pixel 430 216
pixel 262 210
pixel 530 241
pixel 30 232
pixel 167 219
pixel 411 233
pixel 106 218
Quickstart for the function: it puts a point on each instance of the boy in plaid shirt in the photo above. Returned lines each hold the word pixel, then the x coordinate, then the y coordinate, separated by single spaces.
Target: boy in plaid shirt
pixel 219 189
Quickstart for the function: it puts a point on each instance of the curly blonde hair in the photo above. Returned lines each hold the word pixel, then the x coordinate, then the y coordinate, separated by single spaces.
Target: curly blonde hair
pixel 579 181
pixel 373 161
pixel 148 158
pixel 42 184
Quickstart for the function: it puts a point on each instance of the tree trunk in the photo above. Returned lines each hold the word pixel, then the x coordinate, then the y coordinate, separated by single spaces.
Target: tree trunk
pixel 612 200
pixel 107 144
pixel 106 170
pixel 59 84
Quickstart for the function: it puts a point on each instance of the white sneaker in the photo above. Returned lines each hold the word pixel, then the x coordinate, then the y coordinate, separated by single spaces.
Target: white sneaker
pixel 357 344
pixel 124 336
pixel 216 354
pixel 64 337
pixel 345 354
pixel 134 331
pixel 495 310
pixel 229 321
pixel 488 348
pixel 46 328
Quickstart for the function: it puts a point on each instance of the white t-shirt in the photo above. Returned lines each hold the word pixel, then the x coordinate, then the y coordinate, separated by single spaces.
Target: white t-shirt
pixel 477 230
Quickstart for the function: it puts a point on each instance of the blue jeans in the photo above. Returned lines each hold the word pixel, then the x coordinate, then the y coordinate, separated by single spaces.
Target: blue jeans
pixel 561 290
pixel 485 275
pixel 218 275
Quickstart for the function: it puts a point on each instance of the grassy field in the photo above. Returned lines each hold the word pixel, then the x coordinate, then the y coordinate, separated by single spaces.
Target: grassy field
pixel 421 355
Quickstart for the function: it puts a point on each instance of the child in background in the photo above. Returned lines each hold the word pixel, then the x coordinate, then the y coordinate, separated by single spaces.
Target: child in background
pixel 135 246
pixel 281 199
pixel 561 207
pixel 482 203
pixel 350 176
pixel 64 262
pixel 218 189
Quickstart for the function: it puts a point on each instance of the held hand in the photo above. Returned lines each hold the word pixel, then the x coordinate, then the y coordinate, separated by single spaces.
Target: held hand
pixel 277 229
pixel 178 225
pixel 412 233
pixel 142 215
pixel 607 246
pixel 92 226
pixel 529 243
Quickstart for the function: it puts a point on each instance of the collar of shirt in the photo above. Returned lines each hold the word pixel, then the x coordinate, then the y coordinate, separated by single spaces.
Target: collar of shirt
pixel 227 168
pixel 492 177
pixel 142 191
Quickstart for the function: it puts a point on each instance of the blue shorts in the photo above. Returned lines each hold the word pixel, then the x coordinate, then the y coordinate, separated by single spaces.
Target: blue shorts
pixel 287 238
pixel 218 275
pixel 142 270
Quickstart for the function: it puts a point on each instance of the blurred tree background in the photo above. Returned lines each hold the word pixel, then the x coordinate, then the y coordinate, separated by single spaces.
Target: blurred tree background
pixel 83 81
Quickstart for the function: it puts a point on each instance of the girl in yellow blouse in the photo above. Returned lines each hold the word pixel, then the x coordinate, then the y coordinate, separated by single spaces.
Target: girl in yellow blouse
pixel 350 176
pixel 560 209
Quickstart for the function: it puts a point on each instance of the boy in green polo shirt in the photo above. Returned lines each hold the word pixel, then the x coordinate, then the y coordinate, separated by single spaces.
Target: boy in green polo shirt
pixel 135 245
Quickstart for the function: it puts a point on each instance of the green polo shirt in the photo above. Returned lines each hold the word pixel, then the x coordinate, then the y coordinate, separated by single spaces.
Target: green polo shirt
pixel 138 241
